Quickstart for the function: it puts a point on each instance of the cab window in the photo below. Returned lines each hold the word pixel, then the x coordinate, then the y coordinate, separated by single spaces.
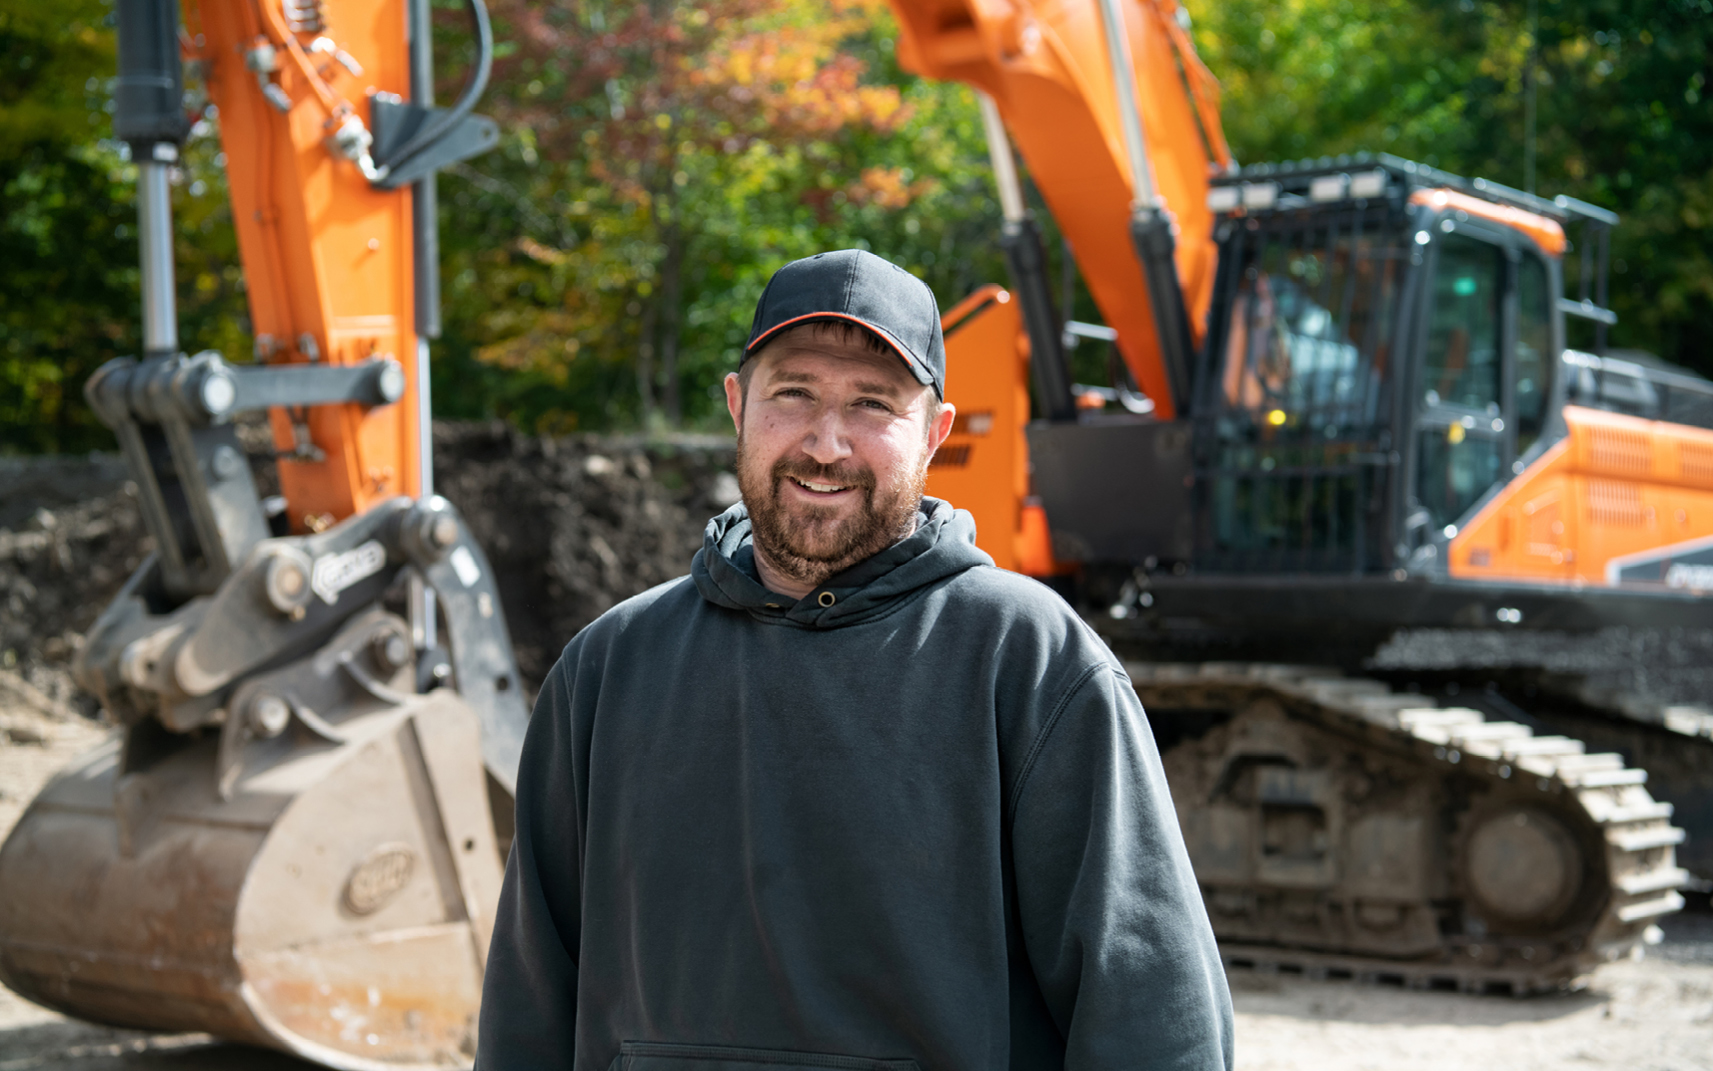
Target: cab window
pixel 1461 366
pixel 1535 359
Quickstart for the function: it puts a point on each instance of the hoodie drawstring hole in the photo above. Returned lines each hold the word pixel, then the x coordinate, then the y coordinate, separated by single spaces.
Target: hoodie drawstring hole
pixel 826 598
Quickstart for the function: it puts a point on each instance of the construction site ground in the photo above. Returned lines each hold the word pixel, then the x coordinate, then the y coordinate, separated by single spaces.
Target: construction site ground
pixel 573 526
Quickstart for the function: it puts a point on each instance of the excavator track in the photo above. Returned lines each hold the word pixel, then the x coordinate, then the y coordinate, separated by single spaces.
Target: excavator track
pixel 1340 828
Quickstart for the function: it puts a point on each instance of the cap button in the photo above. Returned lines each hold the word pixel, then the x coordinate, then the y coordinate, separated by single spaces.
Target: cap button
pixel 827 598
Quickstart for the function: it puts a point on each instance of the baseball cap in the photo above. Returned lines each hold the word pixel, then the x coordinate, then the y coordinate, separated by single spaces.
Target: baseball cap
pixel 859 287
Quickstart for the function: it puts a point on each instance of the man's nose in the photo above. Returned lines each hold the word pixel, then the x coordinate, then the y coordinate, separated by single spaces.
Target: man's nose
pixel 827 440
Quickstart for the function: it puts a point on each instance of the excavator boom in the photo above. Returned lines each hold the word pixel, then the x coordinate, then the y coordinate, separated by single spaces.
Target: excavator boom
pixel 1045 65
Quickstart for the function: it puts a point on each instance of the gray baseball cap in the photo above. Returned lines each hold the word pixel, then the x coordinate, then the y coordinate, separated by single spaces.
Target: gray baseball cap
pixel 859 287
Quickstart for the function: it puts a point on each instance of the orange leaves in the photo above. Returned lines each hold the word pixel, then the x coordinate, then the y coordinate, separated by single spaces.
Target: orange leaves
pixel 539 253
pixel 787 80
pixel 639 91
pixel 886 187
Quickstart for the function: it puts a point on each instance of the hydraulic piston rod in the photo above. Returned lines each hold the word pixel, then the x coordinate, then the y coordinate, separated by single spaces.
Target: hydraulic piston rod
pixel 1020 237
pixel 154 232
pixel 1150 220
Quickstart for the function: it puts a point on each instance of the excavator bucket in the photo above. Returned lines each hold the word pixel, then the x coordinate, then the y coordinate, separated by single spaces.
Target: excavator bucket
pixel 287 843
pixel 337 905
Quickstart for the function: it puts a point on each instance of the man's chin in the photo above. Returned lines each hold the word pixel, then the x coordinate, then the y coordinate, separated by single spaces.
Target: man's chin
pixel 820 543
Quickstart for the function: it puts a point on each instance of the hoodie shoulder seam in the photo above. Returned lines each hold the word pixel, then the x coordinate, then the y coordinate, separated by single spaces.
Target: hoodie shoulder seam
pixel 1040 743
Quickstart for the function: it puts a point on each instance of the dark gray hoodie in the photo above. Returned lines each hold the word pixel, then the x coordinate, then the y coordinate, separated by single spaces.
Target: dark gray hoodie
pixel 914 820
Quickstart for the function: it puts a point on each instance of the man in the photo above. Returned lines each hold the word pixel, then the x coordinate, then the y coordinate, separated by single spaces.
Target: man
pixel 847 796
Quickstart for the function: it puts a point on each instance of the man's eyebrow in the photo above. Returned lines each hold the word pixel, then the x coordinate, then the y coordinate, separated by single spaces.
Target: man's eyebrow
pixel 891 390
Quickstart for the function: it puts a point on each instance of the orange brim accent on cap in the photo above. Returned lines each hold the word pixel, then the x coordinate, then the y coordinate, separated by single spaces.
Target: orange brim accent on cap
pixel 910 362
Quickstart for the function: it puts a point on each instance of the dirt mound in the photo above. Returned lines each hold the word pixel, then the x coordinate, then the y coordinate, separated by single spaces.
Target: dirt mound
pixel 59 568
pixel 575 525
pixel 572 526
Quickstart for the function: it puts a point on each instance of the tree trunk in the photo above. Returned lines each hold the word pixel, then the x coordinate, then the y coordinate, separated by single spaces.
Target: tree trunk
pixel 671 298
pixel 645 360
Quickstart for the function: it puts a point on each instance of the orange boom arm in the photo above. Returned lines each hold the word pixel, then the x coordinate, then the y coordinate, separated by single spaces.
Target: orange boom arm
pixel 327 256
pixel 1045 65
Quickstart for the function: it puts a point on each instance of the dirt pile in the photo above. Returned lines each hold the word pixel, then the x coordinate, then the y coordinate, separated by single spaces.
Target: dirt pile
pixel 571 525
pixel 59 567
pixel 574 525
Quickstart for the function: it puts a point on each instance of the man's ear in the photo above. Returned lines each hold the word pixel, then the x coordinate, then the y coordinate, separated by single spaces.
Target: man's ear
pixel 941 426
pixel 734 400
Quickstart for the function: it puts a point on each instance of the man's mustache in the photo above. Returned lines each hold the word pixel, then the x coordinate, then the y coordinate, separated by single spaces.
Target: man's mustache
pixel 807 469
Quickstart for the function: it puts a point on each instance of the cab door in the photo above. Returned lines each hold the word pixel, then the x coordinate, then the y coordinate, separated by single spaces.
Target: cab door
pixel 1487 348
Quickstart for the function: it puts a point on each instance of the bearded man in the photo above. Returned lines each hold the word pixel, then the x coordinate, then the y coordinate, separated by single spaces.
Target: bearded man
pixel 847 796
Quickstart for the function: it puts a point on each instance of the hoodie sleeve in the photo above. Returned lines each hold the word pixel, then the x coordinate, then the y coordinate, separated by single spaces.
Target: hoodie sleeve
pixel 529 993
pixel 1111 914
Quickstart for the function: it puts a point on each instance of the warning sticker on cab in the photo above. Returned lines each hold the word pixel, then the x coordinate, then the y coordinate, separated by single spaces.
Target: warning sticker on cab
pixel 334 573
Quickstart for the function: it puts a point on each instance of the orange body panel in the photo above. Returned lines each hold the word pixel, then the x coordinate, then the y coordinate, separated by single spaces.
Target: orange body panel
pixel 327 258
pixel 1044 63
pixel 983 464
pixel 1614 487
pixel 1546 232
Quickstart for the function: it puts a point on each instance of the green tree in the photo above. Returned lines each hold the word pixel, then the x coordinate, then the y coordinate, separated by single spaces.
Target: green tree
pixel 1619 116
pixel 663 162
pixel 68 244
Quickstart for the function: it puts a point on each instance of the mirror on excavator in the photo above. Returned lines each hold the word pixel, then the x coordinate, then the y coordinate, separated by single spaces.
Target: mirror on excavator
pixel 297 834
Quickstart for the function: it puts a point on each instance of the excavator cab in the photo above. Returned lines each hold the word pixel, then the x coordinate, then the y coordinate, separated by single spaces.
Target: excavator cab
pixel 1378 362
pixel 1382 396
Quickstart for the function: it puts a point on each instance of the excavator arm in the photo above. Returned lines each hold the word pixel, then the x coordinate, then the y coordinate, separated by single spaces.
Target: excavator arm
pixel 1082 125
pixel 296 837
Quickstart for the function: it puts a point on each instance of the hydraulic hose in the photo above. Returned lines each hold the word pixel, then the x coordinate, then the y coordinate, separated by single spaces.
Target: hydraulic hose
pixel 438 127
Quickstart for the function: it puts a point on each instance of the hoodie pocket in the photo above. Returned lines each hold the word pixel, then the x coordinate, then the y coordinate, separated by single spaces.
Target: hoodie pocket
pixel 665 1056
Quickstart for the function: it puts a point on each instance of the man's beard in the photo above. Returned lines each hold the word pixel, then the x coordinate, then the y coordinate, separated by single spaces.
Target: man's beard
pixel 809 543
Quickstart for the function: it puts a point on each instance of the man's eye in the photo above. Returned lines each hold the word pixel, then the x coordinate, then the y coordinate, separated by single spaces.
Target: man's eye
pixel 877 406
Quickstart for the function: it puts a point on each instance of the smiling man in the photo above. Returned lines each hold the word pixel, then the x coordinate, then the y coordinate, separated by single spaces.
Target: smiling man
pixel 847 796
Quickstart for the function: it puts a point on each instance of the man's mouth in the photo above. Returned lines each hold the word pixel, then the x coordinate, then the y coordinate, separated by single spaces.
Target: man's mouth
pixel 820 488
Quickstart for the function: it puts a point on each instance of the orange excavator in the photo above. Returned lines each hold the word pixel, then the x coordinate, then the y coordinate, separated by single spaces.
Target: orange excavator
pixel 1341 403
pixel 297 839
pixel 1342 410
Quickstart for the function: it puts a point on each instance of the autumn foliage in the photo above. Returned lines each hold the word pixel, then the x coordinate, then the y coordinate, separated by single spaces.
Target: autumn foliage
pixel 677 120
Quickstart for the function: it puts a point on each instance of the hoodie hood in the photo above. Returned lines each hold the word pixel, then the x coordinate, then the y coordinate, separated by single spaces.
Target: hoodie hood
pixel 942 546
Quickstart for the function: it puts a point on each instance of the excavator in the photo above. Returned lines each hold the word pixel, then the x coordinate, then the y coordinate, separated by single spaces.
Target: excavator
pixel 1341 409
pixel 1340 397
